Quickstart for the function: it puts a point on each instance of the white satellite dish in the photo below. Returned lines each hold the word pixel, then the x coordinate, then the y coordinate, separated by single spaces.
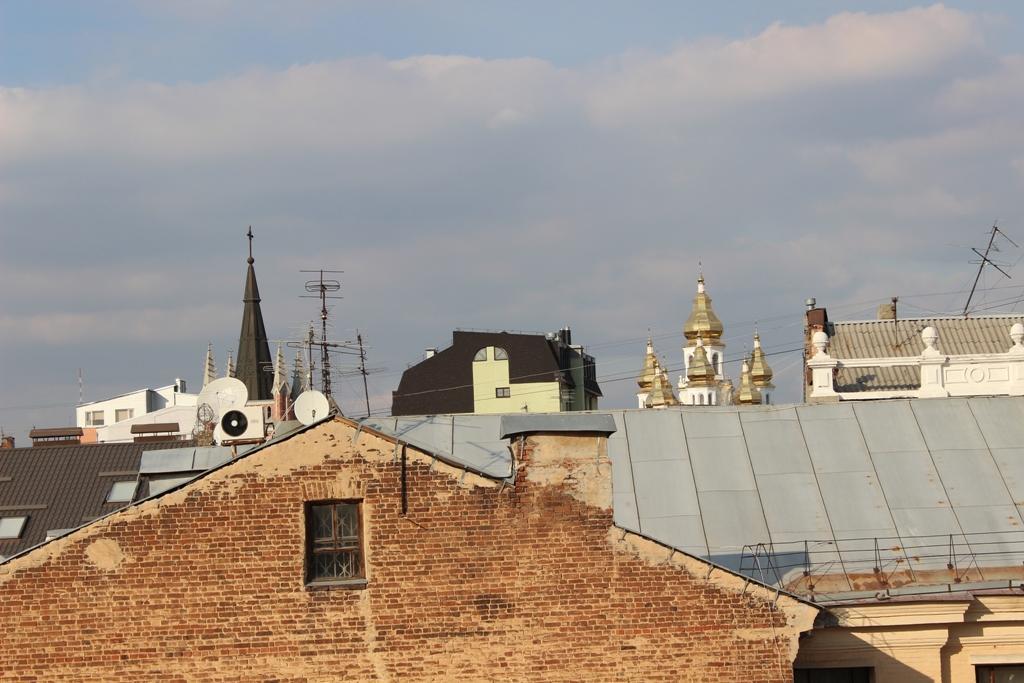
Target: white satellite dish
pixel 222 395
pixel 311 406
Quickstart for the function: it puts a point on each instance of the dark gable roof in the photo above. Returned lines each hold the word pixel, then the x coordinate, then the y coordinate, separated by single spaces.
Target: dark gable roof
pixel 61 487
pixel 444 382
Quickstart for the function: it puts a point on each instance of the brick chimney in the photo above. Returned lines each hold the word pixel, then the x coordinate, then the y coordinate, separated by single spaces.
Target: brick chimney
pixel 6 441
pixel 816 320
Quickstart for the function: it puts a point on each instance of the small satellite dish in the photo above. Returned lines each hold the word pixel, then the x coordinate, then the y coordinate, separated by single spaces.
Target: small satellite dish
pixel 311 406
pixel 234 423
pixel 222 395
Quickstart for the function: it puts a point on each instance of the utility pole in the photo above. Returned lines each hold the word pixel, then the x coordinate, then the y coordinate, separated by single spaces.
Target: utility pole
pixel 362 370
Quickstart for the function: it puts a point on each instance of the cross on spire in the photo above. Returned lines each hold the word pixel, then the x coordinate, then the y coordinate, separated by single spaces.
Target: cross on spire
pixel 249 235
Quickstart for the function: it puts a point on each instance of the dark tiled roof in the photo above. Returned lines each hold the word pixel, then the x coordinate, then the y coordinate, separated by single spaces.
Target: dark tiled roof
pixel 444 382
pixel 902 339
pixel 60 487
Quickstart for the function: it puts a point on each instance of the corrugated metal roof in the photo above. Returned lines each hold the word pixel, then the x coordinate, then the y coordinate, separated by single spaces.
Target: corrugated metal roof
pixel 902 339
pixel 890 484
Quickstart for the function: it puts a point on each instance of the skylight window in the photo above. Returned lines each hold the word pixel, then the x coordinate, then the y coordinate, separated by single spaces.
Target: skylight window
pixel 122 491
pixel 11 527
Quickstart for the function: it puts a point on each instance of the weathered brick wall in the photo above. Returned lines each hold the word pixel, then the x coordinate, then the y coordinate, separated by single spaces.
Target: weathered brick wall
pixel 477 582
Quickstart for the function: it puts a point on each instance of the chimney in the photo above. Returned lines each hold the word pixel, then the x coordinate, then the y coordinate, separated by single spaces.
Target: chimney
pixel 179 385
pixel 565 334
pixel 56 436
pixel 816 320
pixel 6 441
pixel 430 352
pixel 888 311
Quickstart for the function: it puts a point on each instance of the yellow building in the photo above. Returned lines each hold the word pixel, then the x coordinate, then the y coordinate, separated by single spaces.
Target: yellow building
pixel 500 372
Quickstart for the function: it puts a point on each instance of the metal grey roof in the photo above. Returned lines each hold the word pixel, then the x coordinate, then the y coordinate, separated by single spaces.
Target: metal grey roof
pixel 556 422
pixel 902 339
pixel 908 486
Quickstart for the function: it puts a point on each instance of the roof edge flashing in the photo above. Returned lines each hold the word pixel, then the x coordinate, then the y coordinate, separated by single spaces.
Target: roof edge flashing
pixel 557 423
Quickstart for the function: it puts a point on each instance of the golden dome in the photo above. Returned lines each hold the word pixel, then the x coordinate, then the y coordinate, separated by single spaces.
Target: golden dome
pixel 760 372
pixel 661 390
pixel 702 322
pixel 700 373
pixel 748 393
pixel 646 378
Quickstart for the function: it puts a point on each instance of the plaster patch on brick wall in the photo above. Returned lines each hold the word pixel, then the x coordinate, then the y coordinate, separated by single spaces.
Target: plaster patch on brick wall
pixel 380 668
pixel 799 615
pixel 105 554
pixel 576 464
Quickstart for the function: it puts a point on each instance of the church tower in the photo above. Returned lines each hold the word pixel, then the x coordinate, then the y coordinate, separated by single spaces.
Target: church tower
pixel 646 379
pixel 254 361
pixel 760 372
pixel 703 331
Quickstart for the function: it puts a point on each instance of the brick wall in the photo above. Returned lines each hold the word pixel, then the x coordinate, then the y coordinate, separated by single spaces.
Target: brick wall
pixel 476 582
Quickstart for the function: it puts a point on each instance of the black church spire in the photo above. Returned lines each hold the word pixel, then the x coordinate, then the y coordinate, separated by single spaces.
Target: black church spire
pixel 254 364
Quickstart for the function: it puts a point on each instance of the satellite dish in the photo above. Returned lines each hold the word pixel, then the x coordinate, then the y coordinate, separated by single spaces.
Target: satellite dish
pixel 222 395
pixel 234 423
pixel 311 406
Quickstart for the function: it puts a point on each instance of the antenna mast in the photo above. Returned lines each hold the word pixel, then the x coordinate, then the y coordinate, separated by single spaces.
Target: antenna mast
pixel 320 289
pixel 985 260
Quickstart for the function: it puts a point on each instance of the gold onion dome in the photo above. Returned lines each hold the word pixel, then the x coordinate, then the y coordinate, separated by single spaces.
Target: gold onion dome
pixel 661 390
pixel 702 322
pixel 700 372
pixel 748 393
pixel 646 378
pixel 760 371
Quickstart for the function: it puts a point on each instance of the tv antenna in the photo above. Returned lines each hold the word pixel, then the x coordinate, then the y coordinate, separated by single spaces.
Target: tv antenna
pixel 322 289
pixel 985 260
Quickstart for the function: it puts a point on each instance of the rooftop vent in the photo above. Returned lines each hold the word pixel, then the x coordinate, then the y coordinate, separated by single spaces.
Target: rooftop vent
pixel 156 431
pixel 56 436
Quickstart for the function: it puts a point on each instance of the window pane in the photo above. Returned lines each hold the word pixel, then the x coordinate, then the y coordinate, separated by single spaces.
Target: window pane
pixel 500 353
pixel 323 526
pixel 348 522
pixel 481 354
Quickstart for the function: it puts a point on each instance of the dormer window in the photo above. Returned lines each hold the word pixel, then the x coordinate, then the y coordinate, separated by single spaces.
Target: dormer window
pixel 500 353
pixel 480 355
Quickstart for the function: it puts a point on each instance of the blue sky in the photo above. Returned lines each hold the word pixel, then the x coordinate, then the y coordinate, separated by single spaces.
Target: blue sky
pixel 485 165
pixel 46 43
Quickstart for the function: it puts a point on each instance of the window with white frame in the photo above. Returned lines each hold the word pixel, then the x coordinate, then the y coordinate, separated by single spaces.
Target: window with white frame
pixel 123 414
pixel 11 527
pixel 94 418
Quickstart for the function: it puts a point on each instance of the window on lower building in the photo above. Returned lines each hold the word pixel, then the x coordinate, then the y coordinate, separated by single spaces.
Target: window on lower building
pixel 503 392
pixel 11 527
pixel 122 491
pixel 94 418
pixel 1002 673
pixel 123 414
pixel 334 542
pixel 500 353
pixel 837 675
pixel 480 355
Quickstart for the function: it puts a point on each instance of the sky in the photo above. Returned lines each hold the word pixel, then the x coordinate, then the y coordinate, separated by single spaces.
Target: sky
pixel 518 166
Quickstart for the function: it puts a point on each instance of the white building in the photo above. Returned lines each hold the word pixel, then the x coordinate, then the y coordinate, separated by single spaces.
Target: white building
pixel 112 417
